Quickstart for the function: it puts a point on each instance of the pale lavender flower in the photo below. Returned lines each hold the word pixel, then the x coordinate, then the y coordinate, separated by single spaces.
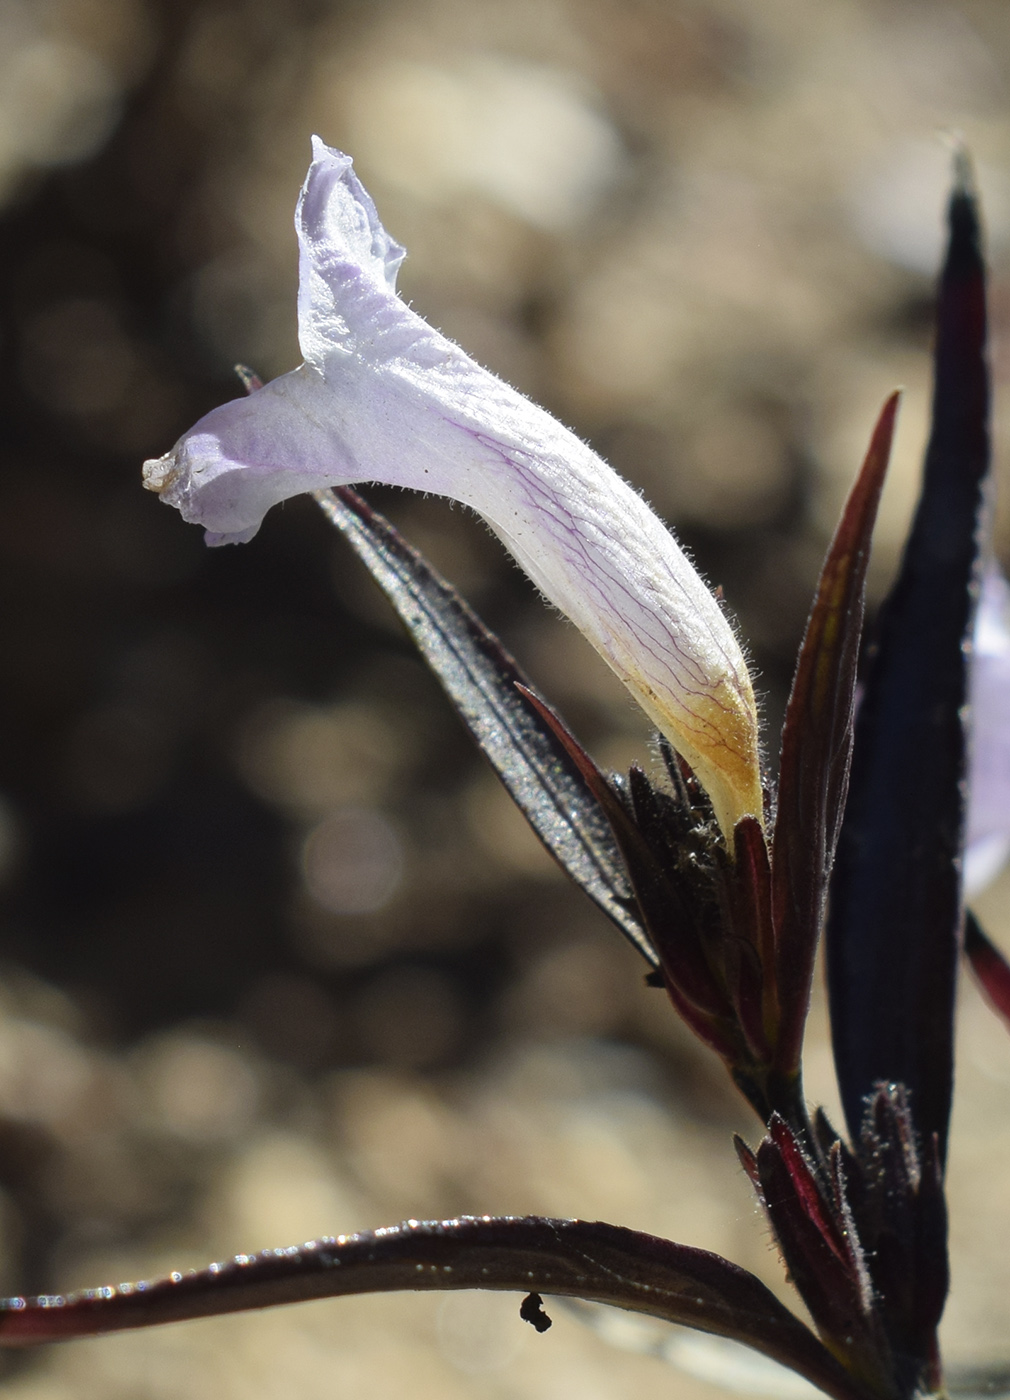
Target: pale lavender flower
pixel 988 843
pixel 382 397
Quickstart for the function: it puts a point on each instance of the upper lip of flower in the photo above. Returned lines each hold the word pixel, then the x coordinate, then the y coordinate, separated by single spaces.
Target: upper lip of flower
pixel 383 397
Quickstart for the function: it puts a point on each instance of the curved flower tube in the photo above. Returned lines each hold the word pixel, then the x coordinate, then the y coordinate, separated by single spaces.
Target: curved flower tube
pixel 383 397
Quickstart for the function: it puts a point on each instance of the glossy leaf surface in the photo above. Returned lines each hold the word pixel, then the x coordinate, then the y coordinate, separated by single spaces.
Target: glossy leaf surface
pixel 817 745
pixel 481 680
pixel 572 1258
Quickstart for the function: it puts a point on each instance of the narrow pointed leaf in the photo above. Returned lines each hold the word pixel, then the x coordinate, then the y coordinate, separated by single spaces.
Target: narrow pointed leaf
pixel 570 1258
pixel 623 828
pixel 678 908
pixel 895 912
pixel 748 1161
pixel 900 1212
pixel 817 745
pixel 989 966
pixel 823 1263
pixel 667 907
pixel 480 678
pixel 667 918
pixel 748 884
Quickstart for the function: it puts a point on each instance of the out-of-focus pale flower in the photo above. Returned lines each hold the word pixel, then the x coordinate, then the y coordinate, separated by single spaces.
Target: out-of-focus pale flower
pixel 383 397
pixel 988 842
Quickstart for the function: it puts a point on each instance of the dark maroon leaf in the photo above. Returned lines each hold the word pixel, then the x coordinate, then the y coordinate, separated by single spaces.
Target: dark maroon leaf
pixel 752 870
pixel 610 801
pixel 481 680
pixel 895 913
pixel 707 916
pixel 863 1236
pixel 989 966
pixel 900 1212
pixel 570 1258
pixel 748 1161
pixel 822 1253
pixel 817 744
pixel 649 850
pixel 747 882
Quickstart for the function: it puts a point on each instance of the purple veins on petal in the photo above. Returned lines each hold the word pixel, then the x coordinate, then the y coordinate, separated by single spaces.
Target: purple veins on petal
pixel 383 397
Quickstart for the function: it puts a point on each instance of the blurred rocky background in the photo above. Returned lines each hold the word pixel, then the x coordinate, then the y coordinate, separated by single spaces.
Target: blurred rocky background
pixel 278 958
